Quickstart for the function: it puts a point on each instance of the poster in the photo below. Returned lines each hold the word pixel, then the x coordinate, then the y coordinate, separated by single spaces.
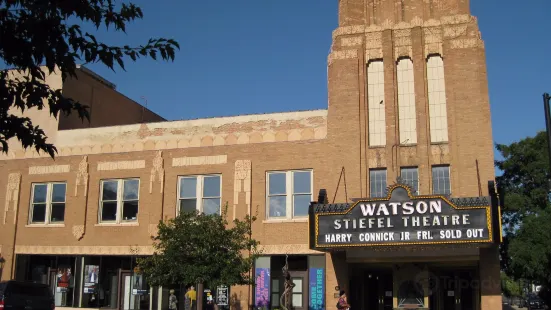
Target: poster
pixel 91 275
pixel 316 287
pixel 222 296
pixel 262 291
pixel 63 279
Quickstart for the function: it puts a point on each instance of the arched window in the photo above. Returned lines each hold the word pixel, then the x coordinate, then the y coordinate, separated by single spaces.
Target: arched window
pixel 437 99
pixel 376 106
pixel 406 102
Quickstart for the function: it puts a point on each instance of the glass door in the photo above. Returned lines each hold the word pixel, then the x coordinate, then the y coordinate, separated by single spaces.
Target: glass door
pixel 299 294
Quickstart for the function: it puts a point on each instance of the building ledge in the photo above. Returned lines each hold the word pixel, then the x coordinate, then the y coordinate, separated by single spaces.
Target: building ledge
pixel 45 225
pixel 279 221
pixel 116 224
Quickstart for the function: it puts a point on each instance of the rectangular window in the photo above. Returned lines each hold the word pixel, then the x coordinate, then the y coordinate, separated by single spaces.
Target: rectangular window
pixel 296 300
pixel 410 176
pixel 275 293
pixel 441 180
pixel 200 193
pixel 48 203
pixel 119 201
pixel 406 102
pixel 377 182
pixel 289 193
pixel 376 106
pixel 437 100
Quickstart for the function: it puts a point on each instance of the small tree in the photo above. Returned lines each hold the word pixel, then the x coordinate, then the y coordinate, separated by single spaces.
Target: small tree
pixel 199 248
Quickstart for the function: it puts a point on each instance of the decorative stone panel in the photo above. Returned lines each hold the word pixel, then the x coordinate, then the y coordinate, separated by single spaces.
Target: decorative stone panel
pixel 339 55
pixel 242 183
pixel 199 161
pixel 12 195
pixel 157 172
pixel 278 249
pixel 84 250
pixel 78 231
pixel 82 176
pixel 121 165
pixel 49 169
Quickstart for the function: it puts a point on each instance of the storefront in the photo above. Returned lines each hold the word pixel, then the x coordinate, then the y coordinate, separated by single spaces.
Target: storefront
pixel 306 272
pixel 109 282
pixel 411 252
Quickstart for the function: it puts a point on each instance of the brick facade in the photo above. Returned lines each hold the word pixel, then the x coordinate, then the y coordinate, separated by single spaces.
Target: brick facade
pixel 243 149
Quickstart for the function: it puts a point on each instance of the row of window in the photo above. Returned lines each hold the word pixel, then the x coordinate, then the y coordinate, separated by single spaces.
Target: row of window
pixel 440 180
pixel 289 194
pixel 407 118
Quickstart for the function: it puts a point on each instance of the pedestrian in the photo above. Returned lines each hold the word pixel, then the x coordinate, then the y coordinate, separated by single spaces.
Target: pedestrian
pixel 172 301
pixel 342 304
pixel 187 300
pixel 192 295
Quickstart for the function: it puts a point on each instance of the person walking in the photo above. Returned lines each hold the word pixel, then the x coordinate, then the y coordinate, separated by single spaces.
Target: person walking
pixel 172 301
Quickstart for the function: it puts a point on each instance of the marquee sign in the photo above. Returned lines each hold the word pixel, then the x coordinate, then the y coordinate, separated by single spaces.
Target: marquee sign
pixel 401 219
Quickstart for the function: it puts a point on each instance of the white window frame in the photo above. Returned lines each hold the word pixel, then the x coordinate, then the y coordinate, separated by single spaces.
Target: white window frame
pixel 289 193
pixel 449 175
pixel 48 202
pixel 120 200
pixel 198 191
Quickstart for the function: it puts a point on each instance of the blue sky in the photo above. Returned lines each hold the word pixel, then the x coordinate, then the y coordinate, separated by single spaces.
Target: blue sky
pixel 251 56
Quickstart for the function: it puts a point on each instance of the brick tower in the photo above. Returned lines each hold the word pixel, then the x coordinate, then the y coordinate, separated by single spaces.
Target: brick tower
pixel 407 79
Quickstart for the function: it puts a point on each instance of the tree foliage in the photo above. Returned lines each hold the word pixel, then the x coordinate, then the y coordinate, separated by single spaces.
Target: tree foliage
pixel 510 287
pixel 198 248
pixel 35 33
pixel 526 252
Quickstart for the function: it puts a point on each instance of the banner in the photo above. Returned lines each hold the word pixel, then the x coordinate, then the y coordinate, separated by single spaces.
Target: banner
pixel 262 291
pixel 317 289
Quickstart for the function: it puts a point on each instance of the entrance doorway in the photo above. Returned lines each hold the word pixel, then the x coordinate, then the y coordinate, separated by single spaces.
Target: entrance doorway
pixel 455 290
pixel 370 288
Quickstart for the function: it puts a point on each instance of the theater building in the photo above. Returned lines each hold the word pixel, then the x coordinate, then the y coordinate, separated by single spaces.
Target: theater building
pixel 387 194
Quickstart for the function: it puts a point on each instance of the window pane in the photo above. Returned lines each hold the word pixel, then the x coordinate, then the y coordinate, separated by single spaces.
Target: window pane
pixel 39 213
pixel 211 186
pixel 130 210
pixel 301 203
pixel 58 194
pixel 188 187
pixel 377 183
pixel 39 193
pixel 441 180
pixel 302 182
pixel 276 183
pixel 211 206
pixel 297 300
pixel 275 285
pixel 275 300
pixel 188 205
pixel 298 285
pixel 109 211
pixel 57 215
pixel 410 176
pixel 131 189
pixel 277 206
pixel 109 190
